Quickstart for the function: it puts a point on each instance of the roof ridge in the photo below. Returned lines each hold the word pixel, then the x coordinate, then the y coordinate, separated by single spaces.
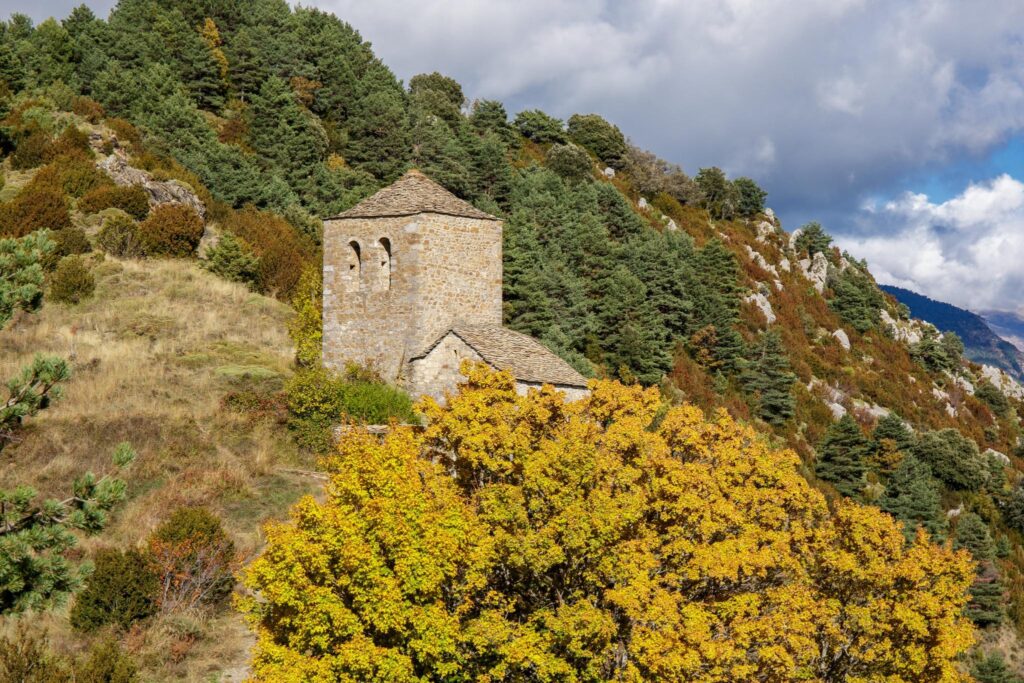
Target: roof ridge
pixel 413 193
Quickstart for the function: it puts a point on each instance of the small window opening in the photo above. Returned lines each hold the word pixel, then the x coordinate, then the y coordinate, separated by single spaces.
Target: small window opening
pixel 386 264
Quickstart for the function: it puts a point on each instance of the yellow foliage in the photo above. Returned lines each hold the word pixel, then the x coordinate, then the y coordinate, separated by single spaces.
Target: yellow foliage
pixel 524 538
pixel 306 327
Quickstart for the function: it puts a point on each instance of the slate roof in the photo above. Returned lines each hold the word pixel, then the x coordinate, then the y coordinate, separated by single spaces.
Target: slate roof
pixel 411 194
pixel 526 358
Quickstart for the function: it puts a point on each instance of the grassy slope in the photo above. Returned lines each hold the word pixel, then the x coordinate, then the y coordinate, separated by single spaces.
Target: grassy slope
pixel 153 354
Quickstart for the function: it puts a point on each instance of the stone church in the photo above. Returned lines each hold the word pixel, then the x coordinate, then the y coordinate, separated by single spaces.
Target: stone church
pixel 412 286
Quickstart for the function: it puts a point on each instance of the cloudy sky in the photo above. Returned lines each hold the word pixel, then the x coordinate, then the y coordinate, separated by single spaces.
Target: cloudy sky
pixel 897 124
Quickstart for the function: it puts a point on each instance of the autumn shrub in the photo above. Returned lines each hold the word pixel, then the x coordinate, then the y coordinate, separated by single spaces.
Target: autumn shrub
pixel 524 538
pixel 88 108
pixel 38 205
pixel 132 199
pixel 120 237
pixel 80 176
pixel 26 657
pixel 283 253
pixel 33 148
pixel 72 142
pixel 72 281
pixel 194 559
pixel 171 230
pixel 306 326
pixel 121 590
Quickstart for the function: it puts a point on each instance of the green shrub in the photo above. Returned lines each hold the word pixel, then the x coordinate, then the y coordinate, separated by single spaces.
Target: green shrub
pixel 373 403
pixel 194 557
pixel 106 662
pixel 121 590
pixel 993 398
pixel 67 242
pixel 232 259
pixel 132 199
pixel 171 230
pixel 120 237
pixel 72 281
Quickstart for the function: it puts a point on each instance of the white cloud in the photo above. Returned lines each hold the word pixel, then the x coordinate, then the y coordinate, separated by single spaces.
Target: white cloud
pixel 967 250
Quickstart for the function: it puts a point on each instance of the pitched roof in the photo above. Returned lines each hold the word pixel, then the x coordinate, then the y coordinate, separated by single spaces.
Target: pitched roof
pixel 411 194
pixel 526 358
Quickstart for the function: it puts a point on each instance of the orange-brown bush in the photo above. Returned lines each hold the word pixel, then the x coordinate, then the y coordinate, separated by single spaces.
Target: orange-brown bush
pixel 125 132
pixel 79 176
pixel 131 199
pixel 171 230
pixel 88 108
pixel 194 558
pixel 32 149
pixel 283 253
pixel 71 142
pixel 40 204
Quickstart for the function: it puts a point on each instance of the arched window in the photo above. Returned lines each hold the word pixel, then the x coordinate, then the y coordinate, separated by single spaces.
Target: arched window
pixel 355 265
pixel 384 273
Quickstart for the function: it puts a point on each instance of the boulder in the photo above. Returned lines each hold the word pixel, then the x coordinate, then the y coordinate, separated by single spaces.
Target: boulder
pixel 843 338
pixel 993 453
pixel 816 270
pixel 671 226
pixel 764 231
pixel 608 172
pixel 642 203
pixel 765 306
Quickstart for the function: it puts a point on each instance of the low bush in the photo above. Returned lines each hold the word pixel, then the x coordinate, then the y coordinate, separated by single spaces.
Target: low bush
pixel 88 108
pixel 72 142
pixel 194 558
pixel 232 259
pixel 67 242
pixel 36 207
pixel 569 161
pixel 121 590
pixel 26 657
pixel 283 253
pixel 132 199
pixel 171 230
pixel 72 281
pixel 80 176
pixel 33 148
pixel 106 662
pixel 319 399
pixel 120 237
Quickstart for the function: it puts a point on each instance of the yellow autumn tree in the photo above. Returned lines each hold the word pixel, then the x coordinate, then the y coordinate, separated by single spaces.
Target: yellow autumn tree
pixel 524 538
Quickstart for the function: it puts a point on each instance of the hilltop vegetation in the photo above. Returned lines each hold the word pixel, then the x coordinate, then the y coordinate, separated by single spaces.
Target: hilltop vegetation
pixel 176 130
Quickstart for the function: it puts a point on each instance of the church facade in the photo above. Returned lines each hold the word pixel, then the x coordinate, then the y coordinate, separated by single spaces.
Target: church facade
pixel 413 286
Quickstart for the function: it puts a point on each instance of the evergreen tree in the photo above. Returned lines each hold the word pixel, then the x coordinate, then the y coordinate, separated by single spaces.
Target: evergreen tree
pixel 631 330
pixel 751 197
pixel 605 140
pixel 991 668
pixel 720 196
pixel 912 497
pixel 379 134
pixel 812 240
pixel 953 458
pixel 842 457
pixel 768 380
pixel 892 427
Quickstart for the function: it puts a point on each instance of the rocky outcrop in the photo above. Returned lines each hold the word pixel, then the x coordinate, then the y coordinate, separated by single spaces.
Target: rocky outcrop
pixel 608 172
pixel 993 453
pixel 843 338
pixel 816 270
pixel 1006 384
pixel 757 258
pixel 764 231
pixel 642 203
pixel 765 306
pixel 159 191
pixel 906 331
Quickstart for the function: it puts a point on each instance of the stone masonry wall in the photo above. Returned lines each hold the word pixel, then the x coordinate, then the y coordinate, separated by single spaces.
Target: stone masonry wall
pixel 392 285
pixel 438 371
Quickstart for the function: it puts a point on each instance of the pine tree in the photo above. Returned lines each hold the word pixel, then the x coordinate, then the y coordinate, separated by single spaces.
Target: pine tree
pixel 842 456
pixel 631 330
pixel 21 273
pixel 972 534
pixel 892 427
pixel 912 497
pixel 769 381
pixel 991 668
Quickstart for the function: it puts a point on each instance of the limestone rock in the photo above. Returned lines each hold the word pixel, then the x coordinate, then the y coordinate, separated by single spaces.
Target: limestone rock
pixel 642 203
pixel 757 258
pixel 608 172
pixel 793 237
pixel 671 226
pixel 765 306
pixel 159 191
pixel 816 270
pixel 993 453
pixel 843 338
pixel 906 331
pixel 771 214
pixel 764 231
pixel 1003 382
pixel 785 265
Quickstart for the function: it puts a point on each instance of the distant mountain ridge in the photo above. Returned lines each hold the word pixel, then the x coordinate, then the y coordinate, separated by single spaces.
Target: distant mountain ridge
pixel 982 344
pixel 1008 325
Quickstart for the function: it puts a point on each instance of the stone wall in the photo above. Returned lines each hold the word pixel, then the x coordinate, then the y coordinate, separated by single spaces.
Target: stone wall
pixel 438 371
pixel 392 285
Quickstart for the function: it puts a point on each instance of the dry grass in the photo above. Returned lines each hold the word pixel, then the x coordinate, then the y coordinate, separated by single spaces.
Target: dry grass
pixel 153 354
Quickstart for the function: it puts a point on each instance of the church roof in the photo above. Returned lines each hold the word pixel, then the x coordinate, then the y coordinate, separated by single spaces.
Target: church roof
pixel 411 194
pixel 526 358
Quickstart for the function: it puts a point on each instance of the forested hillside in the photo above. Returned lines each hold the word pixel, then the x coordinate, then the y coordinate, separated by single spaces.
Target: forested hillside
pixel 219 134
